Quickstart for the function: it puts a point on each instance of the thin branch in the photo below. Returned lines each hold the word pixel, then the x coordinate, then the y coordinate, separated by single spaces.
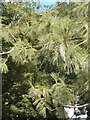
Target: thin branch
pixel 76 38
pixel 76 106
pixel 80 43
pixel 4 53
pixel 70 106
pixel 52 110
pixel 72 116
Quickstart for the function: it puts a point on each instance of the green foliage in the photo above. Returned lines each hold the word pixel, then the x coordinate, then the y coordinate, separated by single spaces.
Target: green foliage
pixel 3 66
pixel 36 81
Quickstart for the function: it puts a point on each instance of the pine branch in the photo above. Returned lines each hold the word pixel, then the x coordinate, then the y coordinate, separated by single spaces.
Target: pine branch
pixel 70 106
pixel 4 53
pixel 76 106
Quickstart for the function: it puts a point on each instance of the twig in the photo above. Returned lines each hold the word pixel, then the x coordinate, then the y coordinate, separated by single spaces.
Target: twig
pixel 76 38
pixel 3 53
pixel 80 43
pixel 70 106
pixel 71 117
pixel 76 106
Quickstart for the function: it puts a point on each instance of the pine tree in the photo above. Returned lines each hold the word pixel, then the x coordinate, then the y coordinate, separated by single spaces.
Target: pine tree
pixel 40 79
